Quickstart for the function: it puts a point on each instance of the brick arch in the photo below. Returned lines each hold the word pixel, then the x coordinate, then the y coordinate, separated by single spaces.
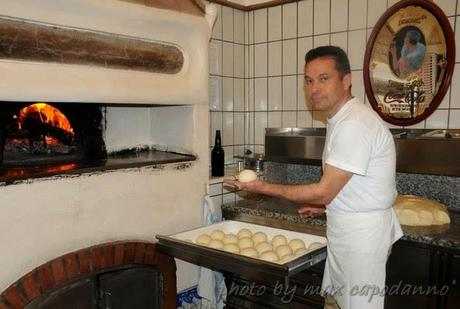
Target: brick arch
pixel 72 266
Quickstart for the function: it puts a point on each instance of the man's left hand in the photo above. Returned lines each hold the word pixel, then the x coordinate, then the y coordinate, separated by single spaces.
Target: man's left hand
pixel 311 210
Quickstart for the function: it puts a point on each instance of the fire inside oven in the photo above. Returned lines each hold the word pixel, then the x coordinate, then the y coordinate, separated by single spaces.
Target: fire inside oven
pixel 43 133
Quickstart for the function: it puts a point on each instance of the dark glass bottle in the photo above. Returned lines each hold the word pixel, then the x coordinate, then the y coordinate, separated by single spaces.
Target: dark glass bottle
pixel 217 157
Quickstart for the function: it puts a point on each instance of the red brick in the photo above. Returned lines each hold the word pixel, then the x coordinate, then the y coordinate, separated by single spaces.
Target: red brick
pixel 71 266
pixel 165 263
pixel 57 266
pixel 119 254
pixel 109 255
pixel 84 261
pixel 140 253
pixel 30 285
pixel 129 256
pixel 96 259
pixel 14 298
pixel 45 278
pixel 3 305
pixel 150 251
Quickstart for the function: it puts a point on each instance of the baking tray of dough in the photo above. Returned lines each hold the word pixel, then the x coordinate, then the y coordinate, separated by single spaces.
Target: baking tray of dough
pixel 182 246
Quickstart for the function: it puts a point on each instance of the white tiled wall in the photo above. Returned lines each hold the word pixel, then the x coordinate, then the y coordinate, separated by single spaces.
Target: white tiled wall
pixel 257 62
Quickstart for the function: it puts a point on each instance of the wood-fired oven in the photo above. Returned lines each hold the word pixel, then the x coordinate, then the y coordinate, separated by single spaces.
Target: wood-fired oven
pixel 91 231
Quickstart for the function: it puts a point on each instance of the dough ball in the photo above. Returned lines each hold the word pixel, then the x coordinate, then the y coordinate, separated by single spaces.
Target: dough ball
pixel 251 252
pixel 203 239
pixel 246 242
pixel 296 244
pixel 286 258
pixel 247 176
pixel 407 217
pixel 315 245
pixel 217 234
pixel 230 239
pixel 231 248
pixel 279 240
pixel 441 217
pixel 264 246
pixel 216 244
pixel 425 217
pixel 283 250
pixel 243 233
pixel 300 251
pixel 269 256
pixel 259 237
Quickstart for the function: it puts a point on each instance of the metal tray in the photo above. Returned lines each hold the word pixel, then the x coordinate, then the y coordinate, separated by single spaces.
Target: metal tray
pixel 181 246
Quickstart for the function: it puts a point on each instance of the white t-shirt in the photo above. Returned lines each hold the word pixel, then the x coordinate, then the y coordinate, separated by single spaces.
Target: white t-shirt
pixel 357 141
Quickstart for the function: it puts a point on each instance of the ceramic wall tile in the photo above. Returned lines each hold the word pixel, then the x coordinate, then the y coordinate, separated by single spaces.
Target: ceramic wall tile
pixel 289 20
pixel 305 18
pixel 274 23
pixel 289 57
pixel 227 24
pixel 321 17
pixel 260 26
pixel 274 93
pixel 339 15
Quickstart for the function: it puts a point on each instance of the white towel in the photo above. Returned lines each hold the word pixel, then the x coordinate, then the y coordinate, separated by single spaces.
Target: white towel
pixel 211 284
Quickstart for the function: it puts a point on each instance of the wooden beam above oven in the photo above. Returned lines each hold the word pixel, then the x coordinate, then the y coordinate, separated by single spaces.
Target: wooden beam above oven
pixel 193 7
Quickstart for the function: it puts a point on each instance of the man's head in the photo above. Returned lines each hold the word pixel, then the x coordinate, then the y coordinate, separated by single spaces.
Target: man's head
pixel 327 78
pixel 413 37
pixel 342 64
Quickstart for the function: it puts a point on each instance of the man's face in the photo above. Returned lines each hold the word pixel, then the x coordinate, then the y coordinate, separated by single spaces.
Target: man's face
pixel 408 44
pixel 325 89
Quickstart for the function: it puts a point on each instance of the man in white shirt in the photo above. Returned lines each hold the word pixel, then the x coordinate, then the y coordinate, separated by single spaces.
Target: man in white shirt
pixel 357 187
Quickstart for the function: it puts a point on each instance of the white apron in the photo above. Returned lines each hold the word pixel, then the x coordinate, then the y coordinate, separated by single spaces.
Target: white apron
pixel 357 251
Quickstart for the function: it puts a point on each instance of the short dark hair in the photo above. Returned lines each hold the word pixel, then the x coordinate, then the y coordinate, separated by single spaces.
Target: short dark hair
pixel 342 64
pixel 413 36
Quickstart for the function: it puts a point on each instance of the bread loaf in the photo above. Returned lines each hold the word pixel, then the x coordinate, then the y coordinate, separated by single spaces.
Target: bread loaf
pixel 418 211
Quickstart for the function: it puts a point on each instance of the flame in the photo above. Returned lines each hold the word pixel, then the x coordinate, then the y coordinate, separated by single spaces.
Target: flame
pixel 24 171
pixel 47 114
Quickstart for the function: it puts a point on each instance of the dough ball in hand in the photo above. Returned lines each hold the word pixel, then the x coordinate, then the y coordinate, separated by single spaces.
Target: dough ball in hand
pixel 247 176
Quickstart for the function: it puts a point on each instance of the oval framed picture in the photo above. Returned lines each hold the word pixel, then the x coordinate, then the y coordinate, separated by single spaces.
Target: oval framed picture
pixel 409 62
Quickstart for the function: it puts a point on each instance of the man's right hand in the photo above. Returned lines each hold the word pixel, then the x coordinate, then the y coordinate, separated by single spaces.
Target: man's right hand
pixel 252 186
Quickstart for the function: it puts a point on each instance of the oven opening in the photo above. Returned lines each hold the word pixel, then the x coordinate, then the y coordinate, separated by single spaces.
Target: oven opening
pixel 42 139
pixel 39 131
pixel 42 133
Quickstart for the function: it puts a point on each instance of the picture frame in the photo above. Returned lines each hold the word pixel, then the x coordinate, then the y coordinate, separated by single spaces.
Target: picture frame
pixel 409 62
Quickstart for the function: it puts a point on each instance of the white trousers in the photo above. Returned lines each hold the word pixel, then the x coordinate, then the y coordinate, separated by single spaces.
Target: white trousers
pixel 358 246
